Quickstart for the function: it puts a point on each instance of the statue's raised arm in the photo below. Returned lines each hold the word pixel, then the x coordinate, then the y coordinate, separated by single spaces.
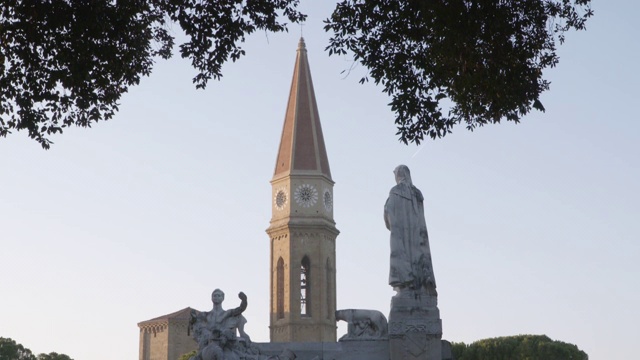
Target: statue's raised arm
pixel 216 331
pixel 243 305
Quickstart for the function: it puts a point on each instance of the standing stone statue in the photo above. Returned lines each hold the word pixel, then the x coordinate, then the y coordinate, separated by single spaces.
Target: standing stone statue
pixel 415 328
pixel 411 266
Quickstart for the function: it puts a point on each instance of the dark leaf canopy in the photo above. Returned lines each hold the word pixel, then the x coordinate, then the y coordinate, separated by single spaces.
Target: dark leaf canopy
pixel 444 62
pixel 519 347
pixel 10 350
pixel 68 62
pixel 53 356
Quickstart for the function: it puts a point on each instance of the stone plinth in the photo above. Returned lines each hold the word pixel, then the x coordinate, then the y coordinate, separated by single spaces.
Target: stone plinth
pixel 415 328
pixel 344 350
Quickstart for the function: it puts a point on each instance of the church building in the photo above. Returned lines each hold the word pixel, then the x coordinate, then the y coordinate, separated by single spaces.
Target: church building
pixel 302 236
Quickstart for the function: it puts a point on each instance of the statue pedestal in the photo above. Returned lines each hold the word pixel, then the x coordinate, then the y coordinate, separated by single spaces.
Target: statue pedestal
pixel 415 328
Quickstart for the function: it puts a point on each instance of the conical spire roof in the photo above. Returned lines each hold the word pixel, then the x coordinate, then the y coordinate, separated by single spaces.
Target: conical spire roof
pixel 302 149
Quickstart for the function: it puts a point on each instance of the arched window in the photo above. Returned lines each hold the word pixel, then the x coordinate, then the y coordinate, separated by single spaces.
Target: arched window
pixel 305 287
pixel 280 289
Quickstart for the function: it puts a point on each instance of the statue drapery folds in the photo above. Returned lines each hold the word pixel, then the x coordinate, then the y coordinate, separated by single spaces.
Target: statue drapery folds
pixel 410 262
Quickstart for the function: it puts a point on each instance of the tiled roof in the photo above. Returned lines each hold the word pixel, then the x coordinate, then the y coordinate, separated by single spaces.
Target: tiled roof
pixel 302 147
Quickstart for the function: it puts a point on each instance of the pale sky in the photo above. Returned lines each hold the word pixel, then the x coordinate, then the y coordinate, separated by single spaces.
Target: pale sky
pixel 534 228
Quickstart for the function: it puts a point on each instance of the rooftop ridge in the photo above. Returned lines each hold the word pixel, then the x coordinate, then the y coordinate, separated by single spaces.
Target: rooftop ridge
pixel 180 314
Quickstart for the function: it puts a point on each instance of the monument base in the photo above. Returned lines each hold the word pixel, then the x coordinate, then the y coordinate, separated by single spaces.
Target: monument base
pixel 415 328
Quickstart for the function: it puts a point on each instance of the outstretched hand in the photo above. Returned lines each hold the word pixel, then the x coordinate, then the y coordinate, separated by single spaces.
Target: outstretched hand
pixel 242 296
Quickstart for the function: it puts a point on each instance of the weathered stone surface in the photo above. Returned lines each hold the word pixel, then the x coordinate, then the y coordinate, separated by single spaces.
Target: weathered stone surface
pixel 220 333
pixel 410 260
pixel 166 336
pixel 447 351
pixel 415 328
pixel 348 350
pixel 344 350
pixel 363 324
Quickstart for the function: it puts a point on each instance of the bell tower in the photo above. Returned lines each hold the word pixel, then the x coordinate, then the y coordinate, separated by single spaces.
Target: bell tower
pixel 302 231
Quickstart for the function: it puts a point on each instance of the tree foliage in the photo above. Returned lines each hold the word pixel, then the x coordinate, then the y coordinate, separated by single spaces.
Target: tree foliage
pixel 10 350
pixel 53 356
pixel 68 62
pixel 520 347
pixel 481 59
pixel 442 62
pixel 188 355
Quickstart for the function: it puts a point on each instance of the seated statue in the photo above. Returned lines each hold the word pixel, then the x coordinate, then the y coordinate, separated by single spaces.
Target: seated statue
pixel 216 331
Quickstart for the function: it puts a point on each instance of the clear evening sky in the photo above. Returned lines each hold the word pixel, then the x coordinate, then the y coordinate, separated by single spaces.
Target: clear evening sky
pixel 534 228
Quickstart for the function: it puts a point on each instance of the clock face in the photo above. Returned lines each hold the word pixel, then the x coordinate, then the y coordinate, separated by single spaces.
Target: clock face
pixel 280 199
pixel 328 200
pixel 306 195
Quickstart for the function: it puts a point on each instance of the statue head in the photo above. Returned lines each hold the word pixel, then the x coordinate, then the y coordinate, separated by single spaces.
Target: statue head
pixel 403 175
pixel 217 296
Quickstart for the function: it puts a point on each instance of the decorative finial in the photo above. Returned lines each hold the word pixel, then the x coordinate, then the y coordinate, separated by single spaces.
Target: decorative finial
pixel 301 45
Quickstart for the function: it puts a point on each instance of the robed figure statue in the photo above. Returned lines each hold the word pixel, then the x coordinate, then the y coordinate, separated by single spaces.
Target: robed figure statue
pixel 411 266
